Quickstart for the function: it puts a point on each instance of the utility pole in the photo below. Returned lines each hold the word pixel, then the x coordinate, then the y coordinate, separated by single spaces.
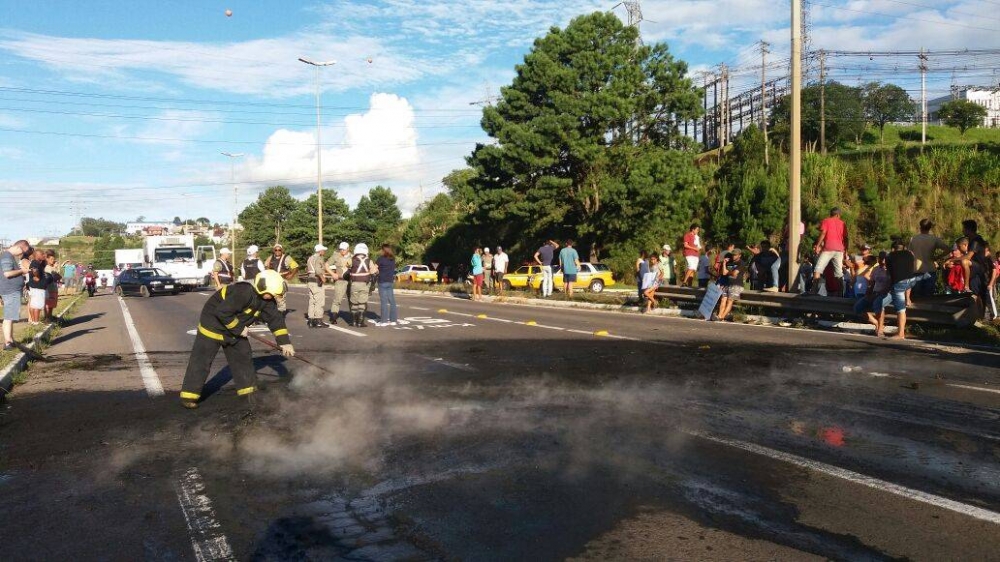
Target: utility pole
pixel 795 152
pixel 764 50
pixel 319 148
pixel 236 203
pixel 822 102
pixel 923 98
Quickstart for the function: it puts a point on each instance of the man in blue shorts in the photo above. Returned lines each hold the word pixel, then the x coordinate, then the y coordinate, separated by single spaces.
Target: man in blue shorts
pixel 570 262
pixel 13 271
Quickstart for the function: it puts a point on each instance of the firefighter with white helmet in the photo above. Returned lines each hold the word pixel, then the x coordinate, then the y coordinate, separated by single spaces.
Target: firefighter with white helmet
pixel 363 270
pixel 225 324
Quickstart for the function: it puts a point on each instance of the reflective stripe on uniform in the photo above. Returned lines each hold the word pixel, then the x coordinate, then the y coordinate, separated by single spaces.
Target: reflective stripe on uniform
pixel 245 391
pixel 248 311
pixel 209 334
pixel 233 324
pixel 190 396
pixel 281 332
pixel 224 287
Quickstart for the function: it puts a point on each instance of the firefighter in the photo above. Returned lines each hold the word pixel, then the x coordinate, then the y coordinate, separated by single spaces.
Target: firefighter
pixel 363 271
pixel 286 266
pixel 225 323
pixel 341 268
pixel 222 271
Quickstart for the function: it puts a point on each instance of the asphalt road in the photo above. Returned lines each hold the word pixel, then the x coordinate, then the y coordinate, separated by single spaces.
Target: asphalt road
pixel 486 431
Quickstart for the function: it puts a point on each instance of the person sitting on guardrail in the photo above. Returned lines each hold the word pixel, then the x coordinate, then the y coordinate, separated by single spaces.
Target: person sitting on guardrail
pixel 732 270
pixel 991 282
pixel 651 281
pixel 692 254
pixel 831 246
pixel 768 264
pixel 928 249
pixel 902 267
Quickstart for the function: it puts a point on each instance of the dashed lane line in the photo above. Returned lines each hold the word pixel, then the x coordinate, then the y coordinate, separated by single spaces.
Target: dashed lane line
pixel 207 539
pixel 979 388
pixel 346 331
pixel 149 377
pixel 857 478
pixel 457 366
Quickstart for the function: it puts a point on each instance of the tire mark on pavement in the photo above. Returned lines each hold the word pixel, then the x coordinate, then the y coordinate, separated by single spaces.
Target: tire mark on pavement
pixel 207 539
pixel 857 478
pixel 149 377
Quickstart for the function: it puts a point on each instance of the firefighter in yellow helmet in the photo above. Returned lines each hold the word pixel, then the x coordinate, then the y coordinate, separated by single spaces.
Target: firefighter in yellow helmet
pixel 225 324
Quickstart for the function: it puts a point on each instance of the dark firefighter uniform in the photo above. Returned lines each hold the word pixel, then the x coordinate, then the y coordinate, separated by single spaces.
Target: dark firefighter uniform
pixel 227 313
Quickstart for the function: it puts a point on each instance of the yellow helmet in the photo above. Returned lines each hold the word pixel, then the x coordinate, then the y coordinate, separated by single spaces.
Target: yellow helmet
pixel 271 282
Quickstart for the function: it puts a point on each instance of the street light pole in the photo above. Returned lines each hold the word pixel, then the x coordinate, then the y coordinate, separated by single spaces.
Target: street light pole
pixel 232 172
pixel 319 148
pixel 795 151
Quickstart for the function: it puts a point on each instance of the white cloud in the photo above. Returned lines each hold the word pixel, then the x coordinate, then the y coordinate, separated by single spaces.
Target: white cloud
pixel 11 121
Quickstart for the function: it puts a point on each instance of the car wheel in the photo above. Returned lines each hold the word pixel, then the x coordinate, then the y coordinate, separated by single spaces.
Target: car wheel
pixel 596 286
pixel 506 285
pixel 119 292
pixel 144 291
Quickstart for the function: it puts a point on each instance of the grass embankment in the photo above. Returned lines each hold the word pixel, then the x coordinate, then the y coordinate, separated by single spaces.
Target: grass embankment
pixel 937 135
pixel 24 333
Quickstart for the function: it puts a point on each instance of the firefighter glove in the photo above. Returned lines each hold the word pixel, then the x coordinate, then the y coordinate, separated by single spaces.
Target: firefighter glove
pixel 246 332
pixel 287 350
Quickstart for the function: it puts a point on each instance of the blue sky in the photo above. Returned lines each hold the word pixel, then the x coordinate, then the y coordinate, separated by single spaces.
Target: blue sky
pixel 121 109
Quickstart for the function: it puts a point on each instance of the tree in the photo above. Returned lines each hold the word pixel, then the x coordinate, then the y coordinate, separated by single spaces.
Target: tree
pixel 845 115
pixel 586 104
pixel 100 227
pixel 300 229
pixel 429 224
pixel 886 103
pixel 962 114
pixel 377 216
pixel 264 220
pixel 177 221
pixel 203 221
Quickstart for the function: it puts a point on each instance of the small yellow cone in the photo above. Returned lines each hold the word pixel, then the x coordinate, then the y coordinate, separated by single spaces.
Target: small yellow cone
pixel 481 316
pixel 601 333
pixel 443 311
pixel 531 323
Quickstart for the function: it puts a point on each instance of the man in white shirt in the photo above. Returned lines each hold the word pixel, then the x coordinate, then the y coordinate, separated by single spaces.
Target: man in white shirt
pixel 500 262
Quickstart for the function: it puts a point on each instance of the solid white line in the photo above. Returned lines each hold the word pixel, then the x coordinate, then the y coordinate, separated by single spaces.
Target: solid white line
pixel 857 478
pixel 149 377
pixel 456 366
pixel 206 536
pixel 580 332
pixel 504 320
pixel 419 308
pixel 346 331
pixel 550 327
pixel 979 388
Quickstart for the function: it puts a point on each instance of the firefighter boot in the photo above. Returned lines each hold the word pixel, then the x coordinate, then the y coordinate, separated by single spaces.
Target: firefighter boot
pixel 190 404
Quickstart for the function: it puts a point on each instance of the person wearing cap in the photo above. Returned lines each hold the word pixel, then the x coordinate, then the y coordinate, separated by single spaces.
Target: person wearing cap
pixel 927 248
pixel 252 265
pixel 341 269
pixel 222 271
pixel 500 262
pixel 732 270
pixel 831 247
pixel 225 324
pixel 286 267
pixel 363 271
pixel 488 269
pixel 317 273
pixel 667 266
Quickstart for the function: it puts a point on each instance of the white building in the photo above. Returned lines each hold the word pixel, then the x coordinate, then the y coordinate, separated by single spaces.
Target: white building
pixel 133 228
pixel 986 97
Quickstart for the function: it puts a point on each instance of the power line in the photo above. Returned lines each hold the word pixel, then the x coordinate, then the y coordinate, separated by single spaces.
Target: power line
pixel 890 16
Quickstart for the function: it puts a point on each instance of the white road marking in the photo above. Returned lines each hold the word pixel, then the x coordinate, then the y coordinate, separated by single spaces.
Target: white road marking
pixel 580 332
pixel 457 366
pixel 504 320
pixel 558 328
pixel 419 308
pixel 149 377
pixel 979 388
pixel 206 536
pixel 857 478
pixel 346 331
pixel 206 294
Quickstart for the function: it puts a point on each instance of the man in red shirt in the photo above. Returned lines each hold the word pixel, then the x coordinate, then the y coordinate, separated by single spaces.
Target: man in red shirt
pixel 692 250
pixel 831 247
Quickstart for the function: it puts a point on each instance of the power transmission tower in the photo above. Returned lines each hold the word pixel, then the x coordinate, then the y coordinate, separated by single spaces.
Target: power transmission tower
pixel 487 101
pixel 807 42
pixel 923 98
pixel 764 51
pixel 634 11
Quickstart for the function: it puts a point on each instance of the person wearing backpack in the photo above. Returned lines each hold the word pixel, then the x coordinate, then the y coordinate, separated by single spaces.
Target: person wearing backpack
pixel 252 265
pixel 362 272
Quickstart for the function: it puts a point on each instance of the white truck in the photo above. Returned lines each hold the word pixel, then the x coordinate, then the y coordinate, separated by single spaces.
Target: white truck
pixel 178 257
pixel 132 257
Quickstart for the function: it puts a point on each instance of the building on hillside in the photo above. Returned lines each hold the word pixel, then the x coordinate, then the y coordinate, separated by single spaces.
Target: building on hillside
pixel 134 228
pixel 986 97
pixel 46 241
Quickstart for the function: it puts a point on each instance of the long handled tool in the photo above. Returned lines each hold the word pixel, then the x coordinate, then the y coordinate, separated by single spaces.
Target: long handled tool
pixel 272 345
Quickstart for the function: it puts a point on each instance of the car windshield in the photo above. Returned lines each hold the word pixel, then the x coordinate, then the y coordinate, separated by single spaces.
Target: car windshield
pixel 173 254
pixel 419 268
pixel 147 273
pixel 522 269
pixel 600 267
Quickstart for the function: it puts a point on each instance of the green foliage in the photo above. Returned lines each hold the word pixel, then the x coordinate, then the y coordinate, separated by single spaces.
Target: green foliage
pixel 427 225
pixel 962 114
pixel 300 228
pixel 845 115
pixel 105 246
pixel 264 220
pixel 100 227
pixel 886 103
pixel 585 146
pixel 377 217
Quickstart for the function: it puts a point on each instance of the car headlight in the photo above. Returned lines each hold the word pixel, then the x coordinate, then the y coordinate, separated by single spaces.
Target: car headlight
pixel 156 282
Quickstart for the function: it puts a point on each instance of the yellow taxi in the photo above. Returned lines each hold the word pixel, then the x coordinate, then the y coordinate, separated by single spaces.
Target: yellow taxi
pixel 592 276
pixel 417 274
pixel 519 278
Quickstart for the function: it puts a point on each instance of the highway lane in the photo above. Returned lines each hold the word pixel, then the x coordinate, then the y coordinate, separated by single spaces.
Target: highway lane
pixel 491 431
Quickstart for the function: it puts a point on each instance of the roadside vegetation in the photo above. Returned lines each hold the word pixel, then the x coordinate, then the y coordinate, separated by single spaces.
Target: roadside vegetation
pixel 24 333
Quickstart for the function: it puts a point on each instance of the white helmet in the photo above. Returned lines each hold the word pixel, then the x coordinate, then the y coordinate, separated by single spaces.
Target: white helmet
pixel 252 250
pixel 344 246
pixel 224 252
pixel 361 248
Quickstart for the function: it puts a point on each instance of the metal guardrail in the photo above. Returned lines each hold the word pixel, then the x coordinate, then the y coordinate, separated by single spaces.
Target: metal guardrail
pixel 945 310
